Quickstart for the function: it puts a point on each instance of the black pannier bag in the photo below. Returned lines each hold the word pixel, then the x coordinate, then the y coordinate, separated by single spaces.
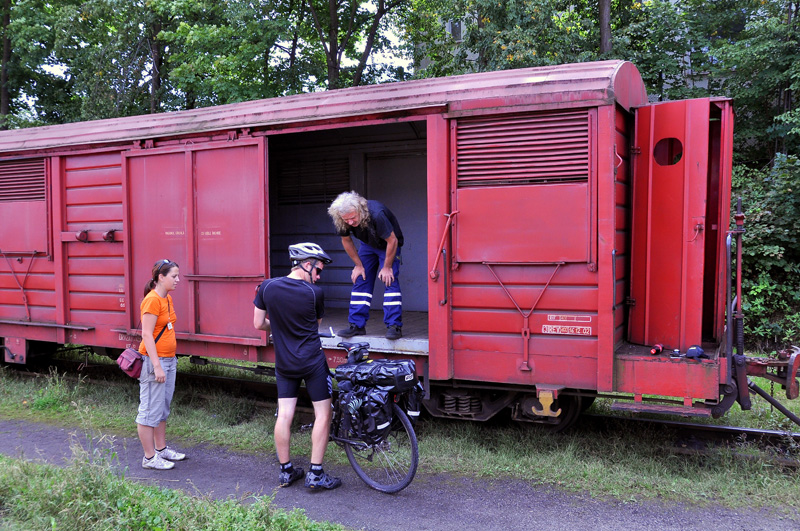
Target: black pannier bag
pixel 344 373
pixel 396 376
pixel 366 413
pixel 411 402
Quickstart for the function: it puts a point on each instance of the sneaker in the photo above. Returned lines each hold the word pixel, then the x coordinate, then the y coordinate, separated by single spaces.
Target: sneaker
pixel 353 330
pixel 323 481
pixel 172 455
pixel 287 478
pixel 394 332
pixel 157 462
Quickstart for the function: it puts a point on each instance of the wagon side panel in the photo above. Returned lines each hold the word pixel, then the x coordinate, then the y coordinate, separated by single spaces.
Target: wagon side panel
pixel 525 289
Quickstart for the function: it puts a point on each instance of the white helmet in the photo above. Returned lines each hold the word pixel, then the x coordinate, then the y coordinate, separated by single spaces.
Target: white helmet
pixel 304 251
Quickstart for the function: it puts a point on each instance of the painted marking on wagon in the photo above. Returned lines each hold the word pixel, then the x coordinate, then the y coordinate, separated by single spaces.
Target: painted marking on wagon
pixel 571 318
pixel 210 233
pixel 567 330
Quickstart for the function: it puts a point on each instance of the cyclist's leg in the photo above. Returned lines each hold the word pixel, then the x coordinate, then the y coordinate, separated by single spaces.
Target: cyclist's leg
pixel 288 389
pixel 320 387
pixel 321 431
pixel 283 424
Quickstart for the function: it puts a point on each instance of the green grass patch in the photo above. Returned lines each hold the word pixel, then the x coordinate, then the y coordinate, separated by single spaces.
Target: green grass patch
pixel 89 495
pixel 623 461
pixel 628 463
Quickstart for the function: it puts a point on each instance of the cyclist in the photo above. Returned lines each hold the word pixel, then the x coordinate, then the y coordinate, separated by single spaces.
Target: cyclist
pixel 292 307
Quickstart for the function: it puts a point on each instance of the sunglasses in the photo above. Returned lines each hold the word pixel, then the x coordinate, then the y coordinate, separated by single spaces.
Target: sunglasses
pixel 165 263
pixel 318 270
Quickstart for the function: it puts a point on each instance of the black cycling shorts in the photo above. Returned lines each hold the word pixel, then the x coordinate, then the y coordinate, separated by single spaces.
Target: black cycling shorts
pixel 318 383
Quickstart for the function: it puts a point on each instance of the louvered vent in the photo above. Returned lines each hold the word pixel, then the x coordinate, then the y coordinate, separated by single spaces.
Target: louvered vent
pixel 529 149
pixel 22 180
pixel 312 181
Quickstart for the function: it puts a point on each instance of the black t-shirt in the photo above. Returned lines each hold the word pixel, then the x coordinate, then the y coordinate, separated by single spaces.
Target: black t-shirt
pixel 380 225
pixel 293 307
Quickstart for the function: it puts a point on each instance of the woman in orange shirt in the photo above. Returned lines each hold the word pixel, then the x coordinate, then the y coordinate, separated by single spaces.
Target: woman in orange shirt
pixel 159 367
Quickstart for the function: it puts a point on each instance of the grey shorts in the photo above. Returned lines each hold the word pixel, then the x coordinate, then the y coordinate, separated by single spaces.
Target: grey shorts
pixel 155 398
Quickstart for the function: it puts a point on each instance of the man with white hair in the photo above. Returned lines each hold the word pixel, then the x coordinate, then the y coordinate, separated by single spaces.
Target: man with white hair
pixel 381 239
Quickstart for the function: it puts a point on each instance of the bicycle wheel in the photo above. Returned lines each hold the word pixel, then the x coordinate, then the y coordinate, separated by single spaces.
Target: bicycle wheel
pixel 388 466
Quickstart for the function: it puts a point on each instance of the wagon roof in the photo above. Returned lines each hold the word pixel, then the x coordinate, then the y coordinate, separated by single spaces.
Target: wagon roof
pixel 592 83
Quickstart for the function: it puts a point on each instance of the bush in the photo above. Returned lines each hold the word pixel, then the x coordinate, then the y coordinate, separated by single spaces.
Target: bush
pixel 771 253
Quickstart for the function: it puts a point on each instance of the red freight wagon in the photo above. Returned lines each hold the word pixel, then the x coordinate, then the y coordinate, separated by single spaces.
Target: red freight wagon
pixel 557 226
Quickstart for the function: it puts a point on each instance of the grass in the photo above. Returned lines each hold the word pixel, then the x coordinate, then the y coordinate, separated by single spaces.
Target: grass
pixel 89 495
pixel 622 461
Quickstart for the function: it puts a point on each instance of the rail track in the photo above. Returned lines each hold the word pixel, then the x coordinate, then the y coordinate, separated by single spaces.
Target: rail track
pixel 688 438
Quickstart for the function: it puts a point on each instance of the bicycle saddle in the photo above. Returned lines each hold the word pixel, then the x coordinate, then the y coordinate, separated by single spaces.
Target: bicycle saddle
pixel 351 346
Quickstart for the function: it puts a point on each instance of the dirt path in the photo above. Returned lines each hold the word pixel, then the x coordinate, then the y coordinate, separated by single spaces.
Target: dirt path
pixel 437 502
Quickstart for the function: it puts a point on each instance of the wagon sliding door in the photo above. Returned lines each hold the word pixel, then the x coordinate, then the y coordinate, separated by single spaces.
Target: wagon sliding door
pixel 205 208
pixel 524 297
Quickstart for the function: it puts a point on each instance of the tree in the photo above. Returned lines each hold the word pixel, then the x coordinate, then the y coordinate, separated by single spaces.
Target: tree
pixel 221 52
pixel 103 45
pixel 342 26
pixel 655 36
pixel 31 91
pixel 502 35
pixel 761 71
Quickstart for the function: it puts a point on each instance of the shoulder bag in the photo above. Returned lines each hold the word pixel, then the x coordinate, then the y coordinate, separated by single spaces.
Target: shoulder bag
pixel 130 361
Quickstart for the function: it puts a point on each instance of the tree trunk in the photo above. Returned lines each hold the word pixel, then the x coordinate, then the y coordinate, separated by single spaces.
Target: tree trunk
pixel 605 26
pixel 333 45
pixel 5 98
pixel 373 30
pixel 330 43
pixel 157 56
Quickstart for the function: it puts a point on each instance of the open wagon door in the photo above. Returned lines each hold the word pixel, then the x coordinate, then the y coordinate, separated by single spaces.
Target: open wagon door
pixel 681 195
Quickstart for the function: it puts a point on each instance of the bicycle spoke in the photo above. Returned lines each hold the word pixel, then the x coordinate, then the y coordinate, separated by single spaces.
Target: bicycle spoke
pixel 389 465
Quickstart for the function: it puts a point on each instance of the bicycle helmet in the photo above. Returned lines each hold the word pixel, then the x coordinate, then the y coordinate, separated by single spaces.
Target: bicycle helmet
pixel 304 251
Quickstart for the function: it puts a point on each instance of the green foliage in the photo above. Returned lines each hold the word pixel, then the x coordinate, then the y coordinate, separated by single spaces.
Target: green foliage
pixel 657 35
pixel 499 35
pixel 221 51
pixel 771 252
pixel 56 395
pixel 104 47
pixel 89 495
pixel 761 70
pixel 38 95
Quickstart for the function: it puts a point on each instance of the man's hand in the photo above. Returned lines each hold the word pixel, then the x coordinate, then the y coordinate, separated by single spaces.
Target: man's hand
pixel 386 275
pixel 358 271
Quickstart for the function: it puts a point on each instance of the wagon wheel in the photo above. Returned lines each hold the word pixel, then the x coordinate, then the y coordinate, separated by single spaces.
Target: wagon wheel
pixel 571 409
pixel 586 403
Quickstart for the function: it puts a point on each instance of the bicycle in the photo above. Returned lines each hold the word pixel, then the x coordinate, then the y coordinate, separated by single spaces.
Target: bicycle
pixel 388 464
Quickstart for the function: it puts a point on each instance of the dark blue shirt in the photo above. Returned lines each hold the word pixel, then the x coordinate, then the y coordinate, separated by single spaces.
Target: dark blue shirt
pixel 293 307
pixel 380 226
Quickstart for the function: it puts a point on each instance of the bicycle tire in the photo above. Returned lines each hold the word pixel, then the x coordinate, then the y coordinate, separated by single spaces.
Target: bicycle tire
pixel 390 465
